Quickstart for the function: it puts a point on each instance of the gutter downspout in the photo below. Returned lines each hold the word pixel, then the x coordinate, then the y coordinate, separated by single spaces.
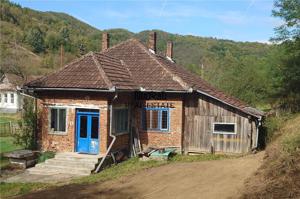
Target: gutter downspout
pixel 110 134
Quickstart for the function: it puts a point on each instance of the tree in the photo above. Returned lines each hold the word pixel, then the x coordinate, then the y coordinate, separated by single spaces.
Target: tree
pixel 35 38
pixel 289 11
pixel 289 36
pixel 52 41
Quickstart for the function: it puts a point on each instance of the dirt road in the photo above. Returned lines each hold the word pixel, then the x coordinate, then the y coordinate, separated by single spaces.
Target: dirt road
pixel 210 179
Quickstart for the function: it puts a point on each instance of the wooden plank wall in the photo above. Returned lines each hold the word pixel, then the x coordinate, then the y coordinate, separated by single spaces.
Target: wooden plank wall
pixel 200 114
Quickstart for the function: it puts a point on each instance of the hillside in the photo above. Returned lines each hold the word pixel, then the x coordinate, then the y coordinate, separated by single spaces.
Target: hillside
pixel 279 175
pixel 26 33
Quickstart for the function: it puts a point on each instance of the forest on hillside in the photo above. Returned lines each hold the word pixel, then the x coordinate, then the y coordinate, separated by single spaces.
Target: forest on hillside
pixel 260 74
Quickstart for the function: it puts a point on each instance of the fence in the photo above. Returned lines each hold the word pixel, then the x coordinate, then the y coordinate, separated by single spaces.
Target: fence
pixel 8 128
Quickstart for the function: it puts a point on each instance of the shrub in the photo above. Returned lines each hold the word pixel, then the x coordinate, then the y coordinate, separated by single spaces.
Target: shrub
pixel 25 136
pixel 273 124
pixel 45 156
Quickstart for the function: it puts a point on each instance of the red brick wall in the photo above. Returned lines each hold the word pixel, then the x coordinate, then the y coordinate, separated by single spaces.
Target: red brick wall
pixel 163 139
pixel 71 101
pixel 84 100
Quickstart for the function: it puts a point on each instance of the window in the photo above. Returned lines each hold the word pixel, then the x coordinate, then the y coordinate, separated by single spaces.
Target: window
pixel 224 128
pixel 5 98
pixel 157 119
pixel 58 119
pixel 120 120
pixel 12 98
pixel 95 127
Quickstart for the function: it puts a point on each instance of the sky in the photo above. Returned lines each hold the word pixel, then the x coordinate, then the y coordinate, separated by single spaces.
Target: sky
pixel 239 20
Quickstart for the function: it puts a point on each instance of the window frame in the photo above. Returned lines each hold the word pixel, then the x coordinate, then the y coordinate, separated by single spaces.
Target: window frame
pixel 224 132
pixel 5 98
pixel 117 108
pixel 52 131
pixel 159 129
pixel 12 98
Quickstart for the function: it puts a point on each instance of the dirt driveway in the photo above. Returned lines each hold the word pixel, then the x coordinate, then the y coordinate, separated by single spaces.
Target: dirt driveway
pixel 210 179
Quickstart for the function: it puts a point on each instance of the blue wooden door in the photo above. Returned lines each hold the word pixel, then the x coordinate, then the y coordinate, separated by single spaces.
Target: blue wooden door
pixel 87 132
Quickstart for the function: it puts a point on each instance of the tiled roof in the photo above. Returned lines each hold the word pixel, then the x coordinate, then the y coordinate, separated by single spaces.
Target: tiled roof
pixel 156 72
pixel 131 66
pixel 146 71
pixel 92 71
pixel 10 82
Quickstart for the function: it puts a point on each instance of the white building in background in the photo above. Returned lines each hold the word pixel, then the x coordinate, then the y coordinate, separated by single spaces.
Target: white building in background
pixel 10 99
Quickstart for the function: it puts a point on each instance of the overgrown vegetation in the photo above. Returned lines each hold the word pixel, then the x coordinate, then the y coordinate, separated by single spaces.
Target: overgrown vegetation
pixel 279 175
pixel 25 136
pixel 45 156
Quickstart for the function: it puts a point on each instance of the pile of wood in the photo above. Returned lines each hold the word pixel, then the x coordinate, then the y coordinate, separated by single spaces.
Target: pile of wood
pixel 22 158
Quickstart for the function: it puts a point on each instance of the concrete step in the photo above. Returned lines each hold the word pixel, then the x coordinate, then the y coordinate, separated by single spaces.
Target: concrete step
pixel 77 159
pixel 77 155
pixel 71 163
pixel 67 163
pixel 64 165
pixel 51 170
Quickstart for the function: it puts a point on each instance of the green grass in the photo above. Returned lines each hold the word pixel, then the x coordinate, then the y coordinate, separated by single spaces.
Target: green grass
pixel 13 189
pixel 291 136
pixel 13 117
pixel 6 145
pixel 128 167
pixel 198 158
pixel 45 156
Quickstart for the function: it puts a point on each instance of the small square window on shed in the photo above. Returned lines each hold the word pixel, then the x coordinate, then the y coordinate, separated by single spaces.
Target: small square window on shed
pixel 224 128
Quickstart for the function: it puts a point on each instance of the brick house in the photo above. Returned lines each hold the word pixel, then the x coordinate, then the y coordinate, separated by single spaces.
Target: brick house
pixel 101 100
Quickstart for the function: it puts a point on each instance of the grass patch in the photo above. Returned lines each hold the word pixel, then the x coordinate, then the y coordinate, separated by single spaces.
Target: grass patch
pixel 274 124
pixel 7 144
pixel 128 167
pixel 13 189
pixel 198 158
pixel 13 117
pixel 45 156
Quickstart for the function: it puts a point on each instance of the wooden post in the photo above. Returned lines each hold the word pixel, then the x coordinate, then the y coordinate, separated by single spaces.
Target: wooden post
pixel 10 128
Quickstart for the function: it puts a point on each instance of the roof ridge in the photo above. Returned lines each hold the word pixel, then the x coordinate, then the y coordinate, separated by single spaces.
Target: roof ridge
pixel 117 45
pixel 174 76
pixel 101 71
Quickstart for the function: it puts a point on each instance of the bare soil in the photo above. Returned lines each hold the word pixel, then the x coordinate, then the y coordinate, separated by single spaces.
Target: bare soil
pixel 209 179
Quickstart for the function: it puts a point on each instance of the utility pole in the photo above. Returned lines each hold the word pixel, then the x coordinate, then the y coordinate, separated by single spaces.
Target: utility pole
pixel 61 55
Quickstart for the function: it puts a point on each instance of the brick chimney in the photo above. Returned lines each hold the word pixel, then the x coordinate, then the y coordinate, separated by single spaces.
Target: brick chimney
pixel 105 41
pixel 169 52
pixel 152 42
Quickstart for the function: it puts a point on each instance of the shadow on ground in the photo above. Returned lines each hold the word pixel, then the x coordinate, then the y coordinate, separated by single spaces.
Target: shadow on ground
pixel 84 191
